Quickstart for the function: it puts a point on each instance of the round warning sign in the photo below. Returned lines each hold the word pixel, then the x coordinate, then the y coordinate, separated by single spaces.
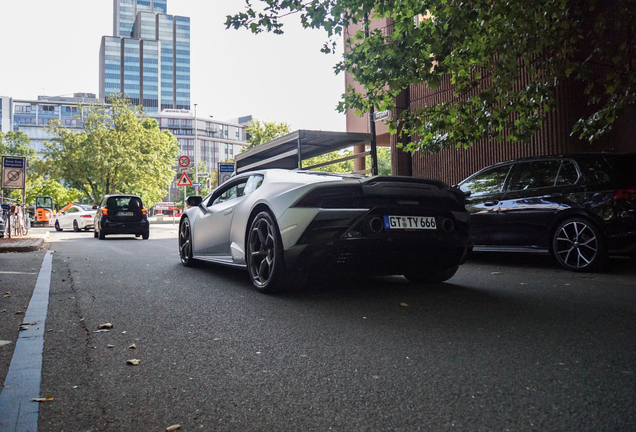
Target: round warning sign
pixel 184 161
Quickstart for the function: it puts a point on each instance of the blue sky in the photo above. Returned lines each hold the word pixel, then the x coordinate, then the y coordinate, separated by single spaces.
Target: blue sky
pixel 51 47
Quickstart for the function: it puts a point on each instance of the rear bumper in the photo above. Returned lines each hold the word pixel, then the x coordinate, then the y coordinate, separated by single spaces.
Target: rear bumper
pixel 109 227
pixel 375 256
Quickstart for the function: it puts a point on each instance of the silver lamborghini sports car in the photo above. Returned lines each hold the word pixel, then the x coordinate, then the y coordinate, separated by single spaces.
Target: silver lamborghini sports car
pixel 280 224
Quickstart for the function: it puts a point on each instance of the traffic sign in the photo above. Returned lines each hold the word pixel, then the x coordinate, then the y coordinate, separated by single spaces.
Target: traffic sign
pixel 185 169
pixel 13 172
pixel 184 161
pixel 184 180
pixel 197 184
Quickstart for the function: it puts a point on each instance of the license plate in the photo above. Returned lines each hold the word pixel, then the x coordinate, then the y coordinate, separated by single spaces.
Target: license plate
pixel 125 214
pixel 409 222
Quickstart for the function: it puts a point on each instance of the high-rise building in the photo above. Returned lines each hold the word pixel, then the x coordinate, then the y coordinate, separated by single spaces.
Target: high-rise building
pixel 148 57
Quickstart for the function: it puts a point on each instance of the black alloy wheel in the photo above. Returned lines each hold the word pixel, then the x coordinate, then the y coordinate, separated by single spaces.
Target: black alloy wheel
pixel 265 255
pixel 57 226
pixel 75 226
pixel 578 245
pixel 428 276
pixel 185 243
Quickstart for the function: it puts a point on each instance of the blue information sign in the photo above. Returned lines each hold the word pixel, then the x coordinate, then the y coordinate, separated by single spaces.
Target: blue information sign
pixel 225 172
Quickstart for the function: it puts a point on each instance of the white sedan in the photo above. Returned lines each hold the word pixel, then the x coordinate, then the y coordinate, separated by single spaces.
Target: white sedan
pixel 78 217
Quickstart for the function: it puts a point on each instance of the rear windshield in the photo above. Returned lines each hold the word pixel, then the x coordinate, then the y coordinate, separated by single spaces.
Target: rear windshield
pixel 124 203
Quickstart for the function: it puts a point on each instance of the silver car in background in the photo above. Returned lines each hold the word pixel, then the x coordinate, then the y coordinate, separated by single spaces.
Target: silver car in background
pixel 281 224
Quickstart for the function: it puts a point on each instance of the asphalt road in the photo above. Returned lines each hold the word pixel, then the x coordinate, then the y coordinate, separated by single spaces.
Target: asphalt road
pixel 510 343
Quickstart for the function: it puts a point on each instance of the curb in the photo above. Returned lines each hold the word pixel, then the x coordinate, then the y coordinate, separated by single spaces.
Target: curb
pixel 28 244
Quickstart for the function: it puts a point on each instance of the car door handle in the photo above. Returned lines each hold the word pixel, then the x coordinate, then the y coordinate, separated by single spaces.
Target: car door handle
pixel 491 203
pixel 227 212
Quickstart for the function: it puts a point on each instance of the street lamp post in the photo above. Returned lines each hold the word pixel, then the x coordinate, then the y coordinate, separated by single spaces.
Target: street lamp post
pixel 196 150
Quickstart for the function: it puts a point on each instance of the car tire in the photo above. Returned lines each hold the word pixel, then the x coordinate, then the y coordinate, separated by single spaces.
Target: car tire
pixel 145 236
pixel 264 256
pixel 431 276
pixel 57 226
pixel 578 245
pixel 95 233
pixel 185 243
pixel 101 235
pixel 75 226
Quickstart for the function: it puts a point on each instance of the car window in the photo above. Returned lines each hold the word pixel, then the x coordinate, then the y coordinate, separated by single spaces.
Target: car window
pixel 532 175
pixel 567 174
pixel 487 182
pixel 596 170
pixel 253 183
pixel 230 192
pixel 127 203
pixel 72 210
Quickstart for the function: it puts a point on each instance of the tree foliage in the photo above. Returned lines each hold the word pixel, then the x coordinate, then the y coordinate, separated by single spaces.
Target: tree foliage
pixel 483 46
pixel 37 186
pixel 118 150
pixel 260 132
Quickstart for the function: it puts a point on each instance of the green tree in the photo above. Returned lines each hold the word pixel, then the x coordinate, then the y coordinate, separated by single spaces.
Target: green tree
pixel 37 186
pixel 118 150
pixel 482 46
pixel 260 132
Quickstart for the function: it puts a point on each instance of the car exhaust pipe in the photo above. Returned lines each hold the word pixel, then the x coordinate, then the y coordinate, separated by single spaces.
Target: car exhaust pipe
pixel 375 225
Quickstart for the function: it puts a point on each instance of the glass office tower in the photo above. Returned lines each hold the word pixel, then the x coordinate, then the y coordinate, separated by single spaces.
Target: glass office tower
pixel 148 57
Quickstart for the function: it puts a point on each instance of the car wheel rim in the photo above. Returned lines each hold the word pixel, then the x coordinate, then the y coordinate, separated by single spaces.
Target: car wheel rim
pixel 576 245
pixel 262 252
pixel 184 241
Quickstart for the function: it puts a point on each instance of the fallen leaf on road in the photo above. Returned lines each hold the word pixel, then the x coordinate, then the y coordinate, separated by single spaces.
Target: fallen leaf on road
pixel 28 323
pixel 134 362
pixel 9 292
pixel 71 298
pixel 497 273
pixel 100 331
pixel 173 427
pixel 105 326
pixel 23 328
pixel 111 346
pixel 3 310
pixel 49 398
pixel 404 305
pixel 19 313
pixel 132 346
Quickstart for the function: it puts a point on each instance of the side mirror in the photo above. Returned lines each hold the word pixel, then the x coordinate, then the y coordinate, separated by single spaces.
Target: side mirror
pixel 94 207
pixel 193 201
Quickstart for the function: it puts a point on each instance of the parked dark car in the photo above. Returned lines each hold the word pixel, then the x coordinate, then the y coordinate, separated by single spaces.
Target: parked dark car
pixel 121 214
pixel 579 208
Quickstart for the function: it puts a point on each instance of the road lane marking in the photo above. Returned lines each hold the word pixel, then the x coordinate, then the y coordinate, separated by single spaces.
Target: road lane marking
pixel 18 411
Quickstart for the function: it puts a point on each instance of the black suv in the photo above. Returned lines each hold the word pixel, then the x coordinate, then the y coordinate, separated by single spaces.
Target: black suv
pixel 579 208
pixel 121 214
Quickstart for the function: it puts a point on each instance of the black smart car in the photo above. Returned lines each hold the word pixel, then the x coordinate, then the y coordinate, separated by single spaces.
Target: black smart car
pixel 121 214
pixel 579 208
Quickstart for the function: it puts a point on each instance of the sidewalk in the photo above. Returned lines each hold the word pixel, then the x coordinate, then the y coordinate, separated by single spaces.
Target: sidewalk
pixel 30 243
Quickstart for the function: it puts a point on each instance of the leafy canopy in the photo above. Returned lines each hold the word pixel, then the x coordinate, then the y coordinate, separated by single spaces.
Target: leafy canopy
pixel 483 46
pixel 260 132
pixel 118 150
